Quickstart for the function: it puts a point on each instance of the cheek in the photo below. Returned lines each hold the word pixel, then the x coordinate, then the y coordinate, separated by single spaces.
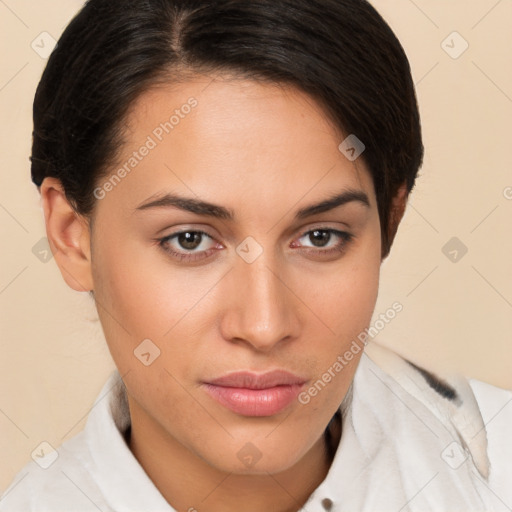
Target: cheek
pixel 141 296
pixel 348 298
pixel 345 303
pixel 348 305
pixel 136 299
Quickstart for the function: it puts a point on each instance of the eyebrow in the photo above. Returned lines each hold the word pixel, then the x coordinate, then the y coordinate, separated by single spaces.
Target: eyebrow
pixel 199 207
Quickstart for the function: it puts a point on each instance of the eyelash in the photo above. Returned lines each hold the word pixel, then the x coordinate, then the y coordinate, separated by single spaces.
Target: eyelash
pixel 339 248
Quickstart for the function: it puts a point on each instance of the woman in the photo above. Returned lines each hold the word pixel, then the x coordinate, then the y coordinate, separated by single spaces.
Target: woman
pixel 225 178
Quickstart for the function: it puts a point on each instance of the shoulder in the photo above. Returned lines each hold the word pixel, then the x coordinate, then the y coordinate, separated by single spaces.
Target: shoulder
pixel 448 397
pixel 417 438
pixel 478 414
pixel 54 479
pixel 94 470
pixel 496 408
pixel 65 477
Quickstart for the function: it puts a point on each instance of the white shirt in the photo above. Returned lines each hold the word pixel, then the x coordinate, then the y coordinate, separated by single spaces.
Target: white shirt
pixel 404 447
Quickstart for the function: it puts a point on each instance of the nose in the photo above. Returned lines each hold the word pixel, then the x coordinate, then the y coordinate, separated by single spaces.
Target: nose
pixel 260 307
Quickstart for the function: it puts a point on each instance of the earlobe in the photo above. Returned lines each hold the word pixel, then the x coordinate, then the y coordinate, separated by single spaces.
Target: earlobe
pixel 68 236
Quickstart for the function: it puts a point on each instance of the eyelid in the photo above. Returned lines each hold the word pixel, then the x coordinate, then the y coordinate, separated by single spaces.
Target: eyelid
pixel 188 230
pixel 192 256
pixel 307 228
pixel 325 225
pixel 345 236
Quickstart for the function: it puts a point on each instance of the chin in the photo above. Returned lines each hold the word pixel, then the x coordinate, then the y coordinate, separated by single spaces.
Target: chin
pixel 259 457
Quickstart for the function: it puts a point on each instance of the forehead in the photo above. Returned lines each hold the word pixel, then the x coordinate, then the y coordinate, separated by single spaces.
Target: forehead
pixel 229 138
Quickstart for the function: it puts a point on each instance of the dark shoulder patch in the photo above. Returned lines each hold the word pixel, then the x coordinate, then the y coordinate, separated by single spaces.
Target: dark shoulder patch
pixel 436 383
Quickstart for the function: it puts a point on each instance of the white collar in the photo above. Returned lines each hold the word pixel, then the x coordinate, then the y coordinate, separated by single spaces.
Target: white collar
pixel 391 448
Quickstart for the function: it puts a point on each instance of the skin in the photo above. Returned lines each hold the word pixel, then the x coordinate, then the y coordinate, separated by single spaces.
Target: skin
pixel 263 151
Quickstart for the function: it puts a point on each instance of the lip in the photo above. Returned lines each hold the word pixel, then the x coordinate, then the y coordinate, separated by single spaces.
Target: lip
pixel 251 394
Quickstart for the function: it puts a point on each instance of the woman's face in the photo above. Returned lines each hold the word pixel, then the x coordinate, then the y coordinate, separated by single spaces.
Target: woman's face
pixel 250 286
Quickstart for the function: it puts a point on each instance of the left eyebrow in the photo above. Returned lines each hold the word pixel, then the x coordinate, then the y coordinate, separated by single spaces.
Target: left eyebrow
pixel 347 196
pixel 200 207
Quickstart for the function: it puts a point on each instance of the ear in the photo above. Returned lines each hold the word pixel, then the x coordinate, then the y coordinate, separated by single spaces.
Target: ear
pixel 68 236
pixel 397 211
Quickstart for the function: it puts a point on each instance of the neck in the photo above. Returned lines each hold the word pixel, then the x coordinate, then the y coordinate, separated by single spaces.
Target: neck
pixel 187 482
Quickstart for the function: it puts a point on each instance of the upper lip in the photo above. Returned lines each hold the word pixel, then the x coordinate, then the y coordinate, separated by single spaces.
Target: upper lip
pixel 249 380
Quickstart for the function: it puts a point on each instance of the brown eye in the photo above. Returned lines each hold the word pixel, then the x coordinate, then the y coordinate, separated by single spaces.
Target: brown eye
pixel 189 239
pixel 186 244
pixel 321 237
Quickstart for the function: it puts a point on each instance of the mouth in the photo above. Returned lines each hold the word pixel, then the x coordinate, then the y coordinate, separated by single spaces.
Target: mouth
pixel 250 394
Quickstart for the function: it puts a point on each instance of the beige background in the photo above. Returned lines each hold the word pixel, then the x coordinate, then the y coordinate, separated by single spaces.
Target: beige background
pixel 455 314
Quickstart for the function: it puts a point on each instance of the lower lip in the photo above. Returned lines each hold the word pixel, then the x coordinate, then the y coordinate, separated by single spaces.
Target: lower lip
pixel 254 402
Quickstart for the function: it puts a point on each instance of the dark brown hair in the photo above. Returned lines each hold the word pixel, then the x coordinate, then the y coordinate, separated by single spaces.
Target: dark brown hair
pixel 340 52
